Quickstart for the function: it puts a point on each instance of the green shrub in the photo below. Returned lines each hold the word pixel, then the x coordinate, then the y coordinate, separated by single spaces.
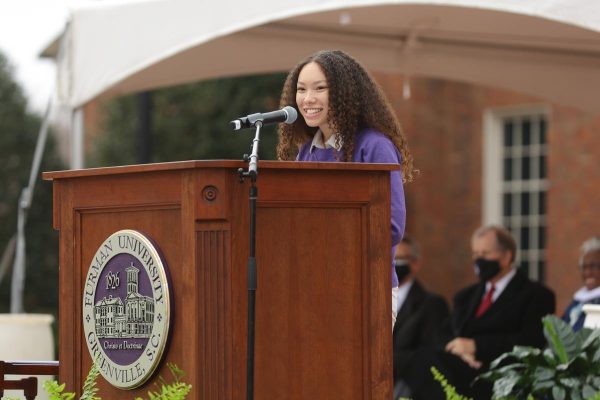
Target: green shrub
pixel 448 388
pixel 177 390
pixel 569 368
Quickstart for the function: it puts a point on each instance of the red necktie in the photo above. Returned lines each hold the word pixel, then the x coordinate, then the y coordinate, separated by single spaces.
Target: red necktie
pixel 486 302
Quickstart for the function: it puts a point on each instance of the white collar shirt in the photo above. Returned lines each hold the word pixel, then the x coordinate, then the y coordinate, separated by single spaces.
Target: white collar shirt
pixel 320 144
pixel 501 284
pixel 403 292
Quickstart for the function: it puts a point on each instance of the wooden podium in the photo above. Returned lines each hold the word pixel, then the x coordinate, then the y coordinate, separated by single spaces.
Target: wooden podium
pixel 323 325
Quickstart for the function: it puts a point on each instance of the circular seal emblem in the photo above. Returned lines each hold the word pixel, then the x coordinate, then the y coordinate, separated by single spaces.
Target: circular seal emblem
pixel 126 308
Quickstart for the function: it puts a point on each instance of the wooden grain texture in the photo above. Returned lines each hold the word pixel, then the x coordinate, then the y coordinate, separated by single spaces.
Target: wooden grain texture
pixel 28 385
pixel 323 256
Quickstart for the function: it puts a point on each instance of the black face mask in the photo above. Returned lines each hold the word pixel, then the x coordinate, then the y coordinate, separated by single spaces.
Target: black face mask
pixel 402 268
pixel 487 269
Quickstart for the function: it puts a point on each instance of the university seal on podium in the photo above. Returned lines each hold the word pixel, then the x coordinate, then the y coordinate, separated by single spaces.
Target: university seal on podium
pixel 126 308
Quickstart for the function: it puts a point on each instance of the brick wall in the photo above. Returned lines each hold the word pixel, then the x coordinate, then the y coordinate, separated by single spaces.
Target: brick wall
pixel 443 123
pixel 573 197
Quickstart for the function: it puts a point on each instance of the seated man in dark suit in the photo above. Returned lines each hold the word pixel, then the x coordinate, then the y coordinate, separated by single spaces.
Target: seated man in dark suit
pixel 420 317
pixel 489 318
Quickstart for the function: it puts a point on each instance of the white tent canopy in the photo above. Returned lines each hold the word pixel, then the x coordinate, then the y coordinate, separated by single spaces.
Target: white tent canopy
pixel 550 49
pixel 546 48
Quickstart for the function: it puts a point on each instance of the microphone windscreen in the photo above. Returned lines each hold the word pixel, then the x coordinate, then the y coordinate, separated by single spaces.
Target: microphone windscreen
pixel 292 114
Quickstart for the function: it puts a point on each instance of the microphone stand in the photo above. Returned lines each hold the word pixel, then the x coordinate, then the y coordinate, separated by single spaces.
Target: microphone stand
pixel 252 173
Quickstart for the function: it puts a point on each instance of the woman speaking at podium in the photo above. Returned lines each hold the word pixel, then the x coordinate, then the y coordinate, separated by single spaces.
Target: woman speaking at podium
pixel 346 117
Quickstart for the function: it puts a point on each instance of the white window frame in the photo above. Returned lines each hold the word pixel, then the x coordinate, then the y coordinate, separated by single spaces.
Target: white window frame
pixel 493 185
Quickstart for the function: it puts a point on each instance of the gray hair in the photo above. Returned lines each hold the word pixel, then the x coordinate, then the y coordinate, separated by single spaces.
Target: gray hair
pixel 504 239
pixel 589 246
pixel 413 245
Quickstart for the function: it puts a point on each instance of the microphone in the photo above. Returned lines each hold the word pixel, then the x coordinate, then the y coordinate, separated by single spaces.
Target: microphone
pixel 287 114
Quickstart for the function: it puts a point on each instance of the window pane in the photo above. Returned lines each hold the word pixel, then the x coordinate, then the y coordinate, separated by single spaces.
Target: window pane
pixel 526 131
pixel 525 267
pixel 525 237
pixel 543 130
pixel 541 237
pixel 508 169
pixel 508 133
pixel 542 161
pixel 525 203
pixel 524 206
pixel 507 204
pixel 525 170
pixel 542 203
pixel 541 270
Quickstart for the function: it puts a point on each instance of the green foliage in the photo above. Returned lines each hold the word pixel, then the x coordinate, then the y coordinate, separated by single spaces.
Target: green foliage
pixel 177 390
pixel 568 368
pixel 18 135
pixel 448 388
pixel 56 391
pixel 190 122
pixel 595 397
pixel 89 386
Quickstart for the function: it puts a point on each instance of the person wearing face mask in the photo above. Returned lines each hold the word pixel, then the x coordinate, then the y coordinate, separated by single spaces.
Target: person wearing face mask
pixel 420 317
pixel 589 266
pixel 488 318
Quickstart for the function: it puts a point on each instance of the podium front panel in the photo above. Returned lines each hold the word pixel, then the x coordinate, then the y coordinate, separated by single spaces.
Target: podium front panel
pixel 323 325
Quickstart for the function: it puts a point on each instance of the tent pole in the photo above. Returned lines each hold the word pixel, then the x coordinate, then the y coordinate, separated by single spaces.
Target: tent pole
pixel 18 277
pixel 77 135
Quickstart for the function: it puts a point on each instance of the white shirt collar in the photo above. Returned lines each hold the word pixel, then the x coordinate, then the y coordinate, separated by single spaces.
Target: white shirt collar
pixel 318 142
pixel 584 295
pixel 403 292
pixel 501 284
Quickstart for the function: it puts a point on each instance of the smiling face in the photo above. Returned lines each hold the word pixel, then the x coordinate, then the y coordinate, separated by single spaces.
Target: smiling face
pixel 312 97
pixel 590 269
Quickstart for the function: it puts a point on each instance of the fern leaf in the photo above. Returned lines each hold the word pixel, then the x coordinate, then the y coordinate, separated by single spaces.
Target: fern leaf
pixel 55 391
pixel 448 388
pixel 89 386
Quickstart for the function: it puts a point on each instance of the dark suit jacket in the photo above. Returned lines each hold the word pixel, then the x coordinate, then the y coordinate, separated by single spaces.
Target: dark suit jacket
pixel 513 319
pixel 418 322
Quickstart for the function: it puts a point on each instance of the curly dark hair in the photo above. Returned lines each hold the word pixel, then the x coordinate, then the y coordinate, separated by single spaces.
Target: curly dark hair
pixel 356 101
